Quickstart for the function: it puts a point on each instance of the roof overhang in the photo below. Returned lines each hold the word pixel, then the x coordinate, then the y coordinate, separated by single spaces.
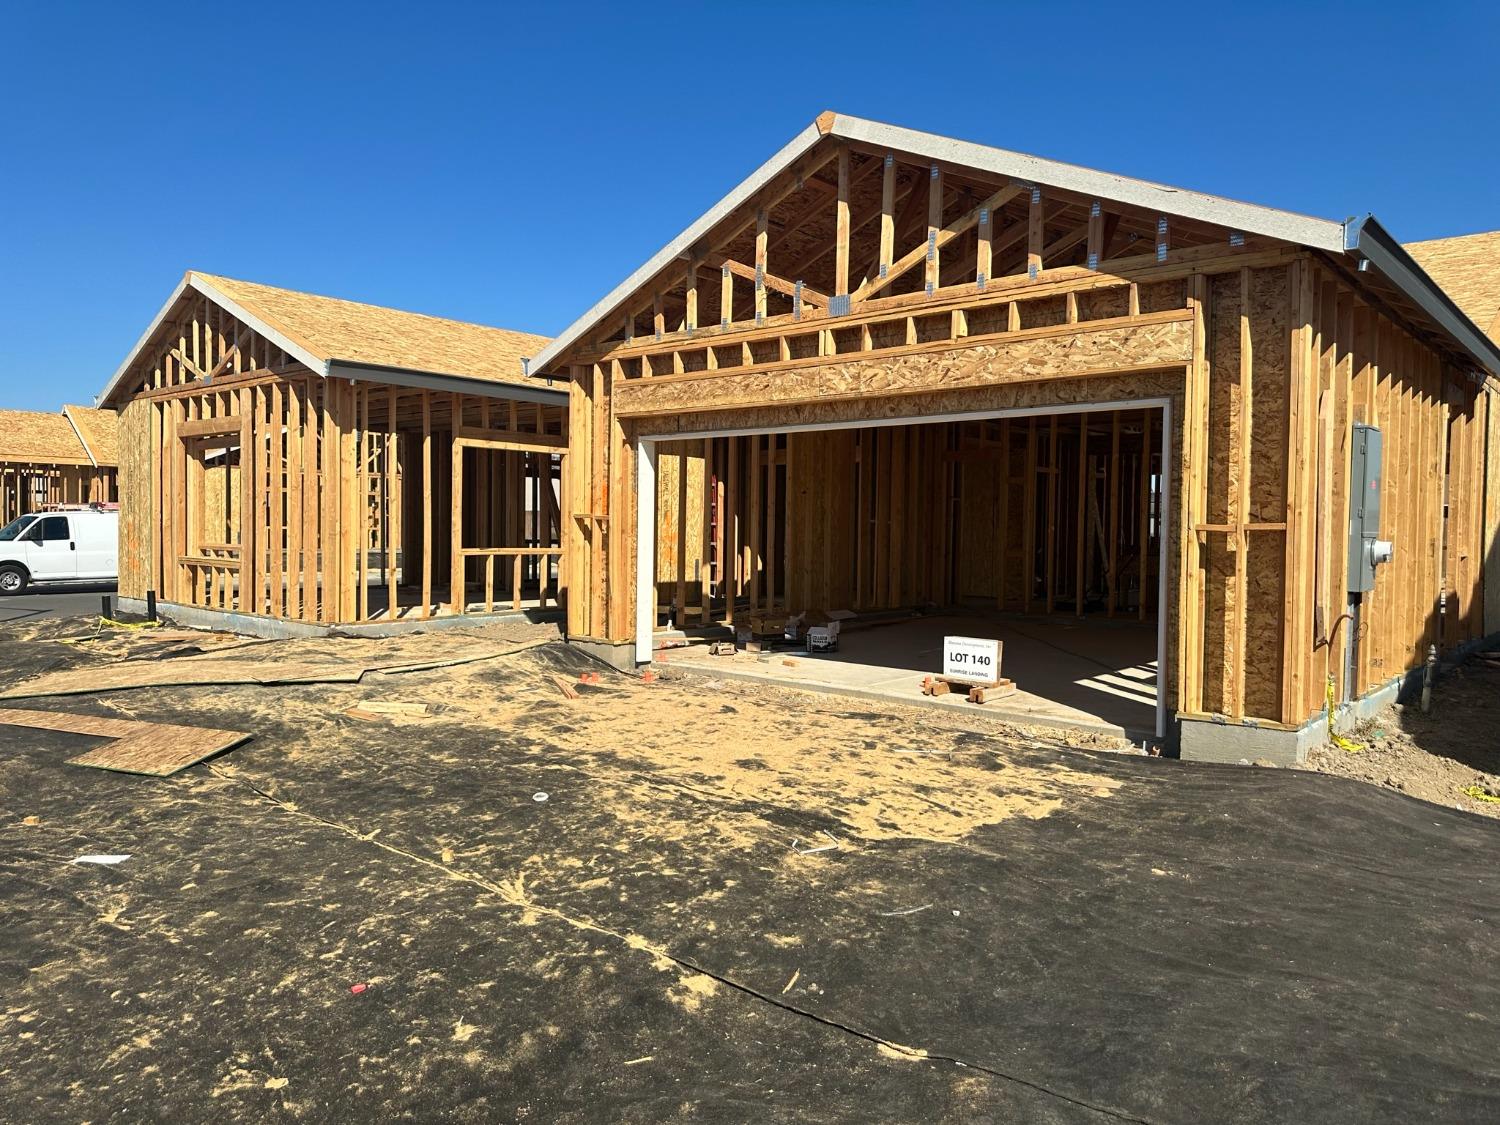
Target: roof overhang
pixel 437 381
pixel 1372 246
pixel 1248 218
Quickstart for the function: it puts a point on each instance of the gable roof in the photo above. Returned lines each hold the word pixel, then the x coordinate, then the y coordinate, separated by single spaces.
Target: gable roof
pixel 333 336
pixel 98 432
pixel 1365 241
pixel 1468 268
pixel 40 437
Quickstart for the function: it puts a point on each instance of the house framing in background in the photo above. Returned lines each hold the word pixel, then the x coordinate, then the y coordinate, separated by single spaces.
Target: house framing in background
pixel 892 369
pixel 299 461
pixel 52 459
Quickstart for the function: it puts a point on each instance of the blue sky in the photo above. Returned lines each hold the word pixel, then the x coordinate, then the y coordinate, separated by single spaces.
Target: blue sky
pixel 509 165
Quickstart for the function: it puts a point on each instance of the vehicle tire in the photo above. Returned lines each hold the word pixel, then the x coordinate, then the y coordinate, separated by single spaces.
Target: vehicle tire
pixel 13 580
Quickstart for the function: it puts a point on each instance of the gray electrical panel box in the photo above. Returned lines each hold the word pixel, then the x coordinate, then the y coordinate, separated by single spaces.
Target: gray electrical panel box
pixel 1366 550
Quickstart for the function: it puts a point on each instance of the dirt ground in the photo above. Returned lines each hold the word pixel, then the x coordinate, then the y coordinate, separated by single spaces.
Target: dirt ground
pixel 1449 755
pixel 704 901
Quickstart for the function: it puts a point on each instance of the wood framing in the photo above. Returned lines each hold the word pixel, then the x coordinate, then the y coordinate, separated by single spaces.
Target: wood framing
pixel 277 464
pixel 877 273
pixel 50 460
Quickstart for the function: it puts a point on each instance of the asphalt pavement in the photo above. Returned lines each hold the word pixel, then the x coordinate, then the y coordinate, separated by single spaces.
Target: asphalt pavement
pixel 72 600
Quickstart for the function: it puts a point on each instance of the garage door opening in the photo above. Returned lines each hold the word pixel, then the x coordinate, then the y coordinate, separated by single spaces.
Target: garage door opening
pixel 1044 529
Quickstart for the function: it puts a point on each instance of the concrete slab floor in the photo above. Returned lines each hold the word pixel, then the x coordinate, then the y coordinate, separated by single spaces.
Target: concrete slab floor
pixel 1092 675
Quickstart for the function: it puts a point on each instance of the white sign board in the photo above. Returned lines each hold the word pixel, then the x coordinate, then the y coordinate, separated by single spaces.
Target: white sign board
pixel 974 659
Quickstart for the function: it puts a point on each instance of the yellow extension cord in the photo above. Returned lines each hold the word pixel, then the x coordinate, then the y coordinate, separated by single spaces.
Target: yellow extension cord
pixel 1334 738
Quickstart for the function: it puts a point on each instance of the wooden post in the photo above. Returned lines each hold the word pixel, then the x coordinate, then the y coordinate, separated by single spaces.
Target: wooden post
pixel 761 243
pixel 1028 529
pixel 682 534
pixel 457 594
pixel 705 560
pixel 731 560
pixel 841 227
pixel 1112 566
pixel 1080 555
pixel 770 521
pixel 934 224
pixel 984 249
pixel 887 215
pixel 1143 562
pixel 753 534
pixel 1035 230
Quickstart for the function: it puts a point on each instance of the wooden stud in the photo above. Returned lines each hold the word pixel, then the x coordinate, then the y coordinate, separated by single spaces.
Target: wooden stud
pixel 887 215
pixel 1080 553
pixel 1035 232
pixel 934 224
pixel 1112 490
pixel 841 227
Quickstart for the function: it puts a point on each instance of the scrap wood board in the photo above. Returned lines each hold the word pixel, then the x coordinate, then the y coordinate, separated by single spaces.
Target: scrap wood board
pixel 216 671
pixel 154 749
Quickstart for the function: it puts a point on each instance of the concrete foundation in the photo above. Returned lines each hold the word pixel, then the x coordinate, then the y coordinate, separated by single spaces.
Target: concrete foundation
pixel 620 657
pixel 275 628
pixel 1211 740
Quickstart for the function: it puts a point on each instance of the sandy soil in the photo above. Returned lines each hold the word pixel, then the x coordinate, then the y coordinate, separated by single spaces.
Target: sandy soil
pixel 708 901
pixel 1449 756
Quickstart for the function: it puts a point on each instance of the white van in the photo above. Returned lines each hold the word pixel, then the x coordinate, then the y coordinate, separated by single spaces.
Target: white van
pixel 62 546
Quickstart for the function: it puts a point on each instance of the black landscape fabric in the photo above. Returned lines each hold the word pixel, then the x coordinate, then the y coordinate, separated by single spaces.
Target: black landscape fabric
pixel 654 942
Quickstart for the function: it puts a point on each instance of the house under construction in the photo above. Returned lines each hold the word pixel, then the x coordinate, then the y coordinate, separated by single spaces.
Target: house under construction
pixel 1226 460
pixel 298 461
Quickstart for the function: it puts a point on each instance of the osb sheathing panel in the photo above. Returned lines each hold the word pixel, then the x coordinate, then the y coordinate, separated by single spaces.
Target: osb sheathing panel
pixel 1265 563
pixel 99 431
pixel 335 329
pixel 35 436
pixel 982 539
pixel 138 526
pixel 819 531
pixel 1270 349
pixel 679 520
pixel 1468 269
pixel 1053 356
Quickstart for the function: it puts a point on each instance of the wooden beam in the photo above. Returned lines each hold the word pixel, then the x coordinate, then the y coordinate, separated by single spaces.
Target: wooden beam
pixel 762 235
pixel 1157 341
pixel 1035 233
pixel 934 225
pixel 887 215
pixel 779 284
pixel 937 239
pixel 1080 554
pixel 841 228
pixel 984 251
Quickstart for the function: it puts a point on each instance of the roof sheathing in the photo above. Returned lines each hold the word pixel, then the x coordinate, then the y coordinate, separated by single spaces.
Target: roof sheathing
pixel 39 437
pixel 371 341
pixel 97 433
pixel 1468 269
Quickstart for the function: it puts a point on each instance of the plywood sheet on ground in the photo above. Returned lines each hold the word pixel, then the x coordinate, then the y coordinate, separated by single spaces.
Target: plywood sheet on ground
pixel 213 670
pixel 154 749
